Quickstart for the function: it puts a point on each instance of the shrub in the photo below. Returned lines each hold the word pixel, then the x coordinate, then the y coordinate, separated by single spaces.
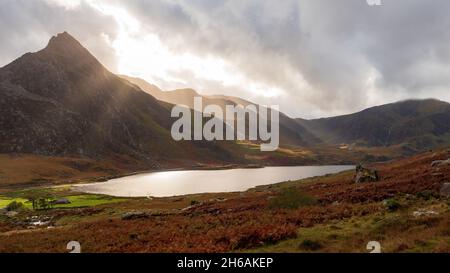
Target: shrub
pixel 310 245
pixel 194 202
pixel 427 195
pixel 14 205
pixel 392 204
pixel 292 198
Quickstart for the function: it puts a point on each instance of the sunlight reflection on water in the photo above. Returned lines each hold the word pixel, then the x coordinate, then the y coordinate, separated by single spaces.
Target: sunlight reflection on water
pixel 174 183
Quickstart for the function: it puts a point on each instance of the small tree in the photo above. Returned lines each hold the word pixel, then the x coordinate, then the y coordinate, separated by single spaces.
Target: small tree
pixel 40 202
pixel 33 199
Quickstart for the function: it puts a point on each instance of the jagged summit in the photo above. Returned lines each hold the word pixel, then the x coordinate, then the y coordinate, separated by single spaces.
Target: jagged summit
pixel 63 39
pixel 67 49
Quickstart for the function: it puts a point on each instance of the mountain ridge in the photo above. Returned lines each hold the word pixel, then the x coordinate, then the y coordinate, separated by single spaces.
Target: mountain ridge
pixel 62 101
pixel 423 123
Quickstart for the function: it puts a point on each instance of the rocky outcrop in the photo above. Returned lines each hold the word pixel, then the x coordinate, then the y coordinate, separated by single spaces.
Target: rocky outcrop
pixel 364 175
pixel 133 215
pixel 440 163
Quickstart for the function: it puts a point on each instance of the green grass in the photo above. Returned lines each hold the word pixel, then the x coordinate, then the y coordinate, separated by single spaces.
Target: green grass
pixel 84 200
pixel 89 200
pixel 4 201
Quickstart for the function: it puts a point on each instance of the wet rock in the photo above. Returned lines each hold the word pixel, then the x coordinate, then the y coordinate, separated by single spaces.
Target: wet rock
pixel 133 215
pixel 445 190
pixel 364 175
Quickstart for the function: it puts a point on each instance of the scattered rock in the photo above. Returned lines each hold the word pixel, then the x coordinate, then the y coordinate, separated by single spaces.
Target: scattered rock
pixel 366 175
pixel 445 190
pixel 217 200
pixel 424 212
pixel 440 163
pixel 135 215
pixel 36 221
pixel 11 213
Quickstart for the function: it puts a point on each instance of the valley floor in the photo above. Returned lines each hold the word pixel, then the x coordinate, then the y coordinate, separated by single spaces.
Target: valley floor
pixel 406 211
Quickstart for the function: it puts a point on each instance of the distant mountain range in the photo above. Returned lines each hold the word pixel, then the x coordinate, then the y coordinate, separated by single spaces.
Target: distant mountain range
pixel 62 101
pixel 419 123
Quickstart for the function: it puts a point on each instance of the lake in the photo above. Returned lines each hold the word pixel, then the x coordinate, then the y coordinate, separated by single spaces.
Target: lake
pixel 175 183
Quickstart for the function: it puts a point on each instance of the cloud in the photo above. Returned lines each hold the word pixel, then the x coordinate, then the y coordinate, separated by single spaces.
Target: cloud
pixel 313 57
pixel 328 57
pixel 26 26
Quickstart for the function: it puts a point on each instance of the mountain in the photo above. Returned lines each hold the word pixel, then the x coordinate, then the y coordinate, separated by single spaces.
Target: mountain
pixel 61 101
pixel 291 132
pixel 420 123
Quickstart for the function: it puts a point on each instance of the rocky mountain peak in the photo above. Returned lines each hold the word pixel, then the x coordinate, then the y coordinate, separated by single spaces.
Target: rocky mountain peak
pixel 63 41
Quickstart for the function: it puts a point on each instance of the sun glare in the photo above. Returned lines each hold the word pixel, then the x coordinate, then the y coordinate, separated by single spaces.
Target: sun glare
pixel 144 55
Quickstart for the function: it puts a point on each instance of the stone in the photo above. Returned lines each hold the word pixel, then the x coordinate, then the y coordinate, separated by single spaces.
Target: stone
pixel 366 175
pixel 440 163
pixel 135 215
pixel 11 213
pixel 424 212
pixel 445 190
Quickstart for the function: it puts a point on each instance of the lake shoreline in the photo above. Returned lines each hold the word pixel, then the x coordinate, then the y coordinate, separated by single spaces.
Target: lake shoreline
pixel 182 182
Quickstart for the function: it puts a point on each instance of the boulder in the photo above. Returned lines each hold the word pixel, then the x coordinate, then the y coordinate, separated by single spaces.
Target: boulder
pixel 445 190
pixel 366 175
pixel 440 163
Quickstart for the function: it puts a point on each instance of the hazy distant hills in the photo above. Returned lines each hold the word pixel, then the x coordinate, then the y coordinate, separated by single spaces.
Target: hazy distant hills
pixel 419 123
pixel 291 132
pixel 62 101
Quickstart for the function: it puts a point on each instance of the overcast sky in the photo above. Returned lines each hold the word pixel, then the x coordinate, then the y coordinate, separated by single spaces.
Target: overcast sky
pixel 314 58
